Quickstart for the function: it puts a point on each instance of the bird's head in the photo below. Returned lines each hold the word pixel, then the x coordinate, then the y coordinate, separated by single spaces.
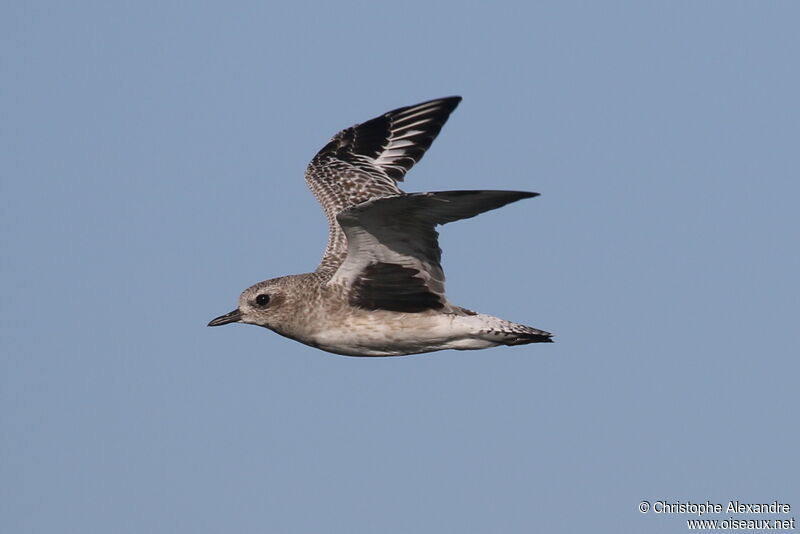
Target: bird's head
pixel 261 304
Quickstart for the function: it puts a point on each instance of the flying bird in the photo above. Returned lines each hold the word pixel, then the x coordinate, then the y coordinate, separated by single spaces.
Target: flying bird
pixel 379 289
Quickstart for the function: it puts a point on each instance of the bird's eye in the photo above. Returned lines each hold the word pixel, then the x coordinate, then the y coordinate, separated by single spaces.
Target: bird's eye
pixel 262 299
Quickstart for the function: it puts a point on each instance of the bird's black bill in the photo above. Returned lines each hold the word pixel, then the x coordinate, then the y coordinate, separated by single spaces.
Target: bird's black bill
pixel 233 317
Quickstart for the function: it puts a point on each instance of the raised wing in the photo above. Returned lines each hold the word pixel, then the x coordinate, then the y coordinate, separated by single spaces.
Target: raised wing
pixel 393 255
pixel 367 160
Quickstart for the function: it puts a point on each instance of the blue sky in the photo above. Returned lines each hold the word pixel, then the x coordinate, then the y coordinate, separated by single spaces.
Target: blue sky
pixel 153 168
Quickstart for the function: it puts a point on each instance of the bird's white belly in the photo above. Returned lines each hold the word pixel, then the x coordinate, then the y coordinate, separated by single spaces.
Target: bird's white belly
pixel 395 334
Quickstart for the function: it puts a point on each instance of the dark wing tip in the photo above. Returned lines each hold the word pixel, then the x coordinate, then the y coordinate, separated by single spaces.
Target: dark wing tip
pixel 445 105
pixel 517 195
pixel 395 141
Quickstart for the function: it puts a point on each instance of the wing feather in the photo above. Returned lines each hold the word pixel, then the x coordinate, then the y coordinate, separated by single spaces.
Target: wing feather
pixel 400 232
pixel 367 160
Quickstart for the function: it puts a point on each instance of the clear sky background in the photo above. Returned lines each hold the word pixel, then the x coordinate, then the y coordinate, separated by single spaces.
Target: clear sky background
pixel 152 168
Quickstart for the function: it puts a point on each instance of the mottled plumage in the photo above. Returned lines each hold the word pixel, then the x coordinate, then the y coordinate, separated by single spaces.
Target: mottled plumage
pixel 379 289
pixel 367 160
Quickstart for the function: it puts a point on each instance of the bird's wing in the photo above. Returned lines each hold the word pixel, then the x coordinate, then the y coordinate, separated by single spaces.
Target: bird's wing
pixel 393 254
pixel 367 160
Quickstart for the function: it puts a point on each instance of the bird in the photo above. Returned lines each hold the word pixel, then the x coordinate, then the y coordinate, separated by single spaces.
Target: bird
pixel 379 288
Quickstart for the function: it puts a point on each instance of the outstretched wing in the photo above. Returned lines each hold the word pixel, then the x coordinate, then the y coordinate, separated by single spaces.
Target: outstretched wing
pixel 367 160
pixel 393 254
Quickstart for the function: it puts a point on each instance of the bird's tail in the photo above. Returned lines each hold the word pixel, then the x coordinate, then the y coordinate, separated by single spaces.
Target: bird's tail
pixel 501 332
